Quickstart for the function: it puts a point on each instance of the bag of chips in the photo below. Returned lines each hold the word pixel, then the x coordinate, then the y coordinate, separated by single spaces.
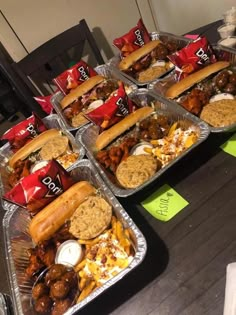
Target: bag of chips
pixel 74 76
pixel 193 57
pixel 133 40
pixel 45 103
pixel 24 132
pixel 38 189
pixel 113 110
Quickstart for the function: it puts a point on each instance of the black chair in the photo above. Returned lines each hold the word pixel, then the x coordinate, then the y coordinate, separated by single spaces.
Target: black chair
pixel 55 56
pixel 15 91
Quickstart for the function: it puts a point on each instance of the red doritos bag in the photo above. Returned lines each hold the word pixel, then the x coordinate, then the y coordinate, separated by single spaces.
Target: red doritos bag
pixel 74 76
pixel 45 103
pixel 113 110
pixel 24 132
pixel 193 57
pixel 38 189
pixel 133 40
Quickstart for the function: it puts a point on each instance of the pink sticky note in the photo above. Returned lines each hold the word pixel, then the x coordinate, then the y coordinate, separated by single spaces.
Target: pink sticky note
pixel 191 36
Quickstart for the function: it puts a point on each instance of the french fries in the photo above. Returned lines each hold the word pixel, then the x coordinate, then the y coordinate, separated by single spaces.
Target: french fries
pixel 100 262
pixel 173 128
pixel 80 265
pixel 86 291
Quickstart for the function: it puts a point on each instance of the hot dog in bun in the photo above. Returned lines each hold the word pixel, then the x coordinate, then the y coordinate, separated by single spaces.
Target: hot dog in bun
pixel 131 61
pixel 33 146
pixel 178 88
pixel 80 90
pixel 116 130
pixel 142 63
pixel 45 223
pixel 51 144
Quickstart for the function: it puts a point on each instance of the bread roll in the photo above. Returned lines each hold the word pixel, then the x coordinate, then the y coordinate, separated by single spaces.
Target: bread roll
pixel 116 130
pixel 54 215
pixel 33 145
pixel 80 90
pixel 183 85
pixel 138 54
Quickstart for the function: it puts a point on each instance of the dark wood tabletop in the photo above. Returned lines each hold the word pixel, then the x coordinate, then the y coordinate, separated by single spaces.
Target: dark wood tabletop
pixel 185 266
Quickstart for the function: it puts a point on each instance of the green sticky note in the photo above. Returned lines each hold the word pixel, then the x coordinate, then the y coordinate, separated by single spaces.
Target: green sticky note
pixel 165 203
pixel 230 146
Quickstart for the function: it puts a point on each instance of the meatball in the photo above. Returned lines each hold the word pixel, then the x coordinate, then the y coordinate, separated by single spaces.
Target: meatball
pixel 232 78
pixel 70 277
pixel 59 289
pixel 39 290
pixel 55 273
pixel 144 135
pixel 144 124
pixel 230 88
pixel 61 306
pixel 105 91
pixel 43 305
pixel 155 131
pixel 225 74
pixel 221 81
pixel 161 52
pixel 162 121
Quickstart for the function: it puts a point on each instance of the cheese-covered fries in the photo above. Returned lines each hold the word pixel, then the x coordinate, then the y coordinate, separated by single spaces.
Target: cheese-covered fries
pixel 105 256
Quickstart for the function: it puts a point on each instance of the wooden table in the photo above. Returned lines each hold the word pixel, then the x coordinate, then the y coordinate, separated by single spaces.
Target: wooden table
pixel 184 270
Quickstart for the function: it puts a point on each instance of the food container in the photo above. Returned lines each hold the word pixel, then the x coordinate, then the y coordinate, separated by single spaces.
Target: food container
pixel 17 241
pixel 222 53
pixel 180 40
pixel 51 121
pixel 228 42
pixel 226 30
pixel 5 304
pixel 104 70
pixel 230 16
pixel 143 97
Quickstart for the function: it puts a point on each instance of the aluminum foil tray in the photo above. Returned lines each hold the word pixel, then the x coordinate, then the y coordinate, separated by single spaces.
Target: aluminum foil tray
pixel 180 40
pixel 17 241
pixel 104 70
pixel 225 54
pixel 5 304
pixel 51 121
pixel 142 97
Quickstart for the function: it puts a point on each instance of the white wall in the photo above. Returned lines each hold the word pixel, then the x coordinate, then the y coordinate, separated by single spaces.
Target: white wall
pixel 10 41
pixel 181 16
pixel 35 22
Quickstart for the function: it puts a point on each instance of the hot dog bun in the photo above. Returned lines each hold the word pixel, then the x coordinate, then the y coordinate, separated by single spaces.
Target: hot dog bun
pixel 80 90
pixel 33 145
pixel 116 130
pixel 183 85
pixel 138 54
pixel 45 223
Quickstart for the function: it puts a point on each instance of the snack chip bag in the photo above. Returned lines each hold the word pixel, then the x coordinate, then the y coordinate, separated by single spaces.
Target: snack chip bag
pixel 38 189
pixel 113 110
pixel 45 103
pixel 24 132
pixel 193 57
pixel 74 76
pixel 133 40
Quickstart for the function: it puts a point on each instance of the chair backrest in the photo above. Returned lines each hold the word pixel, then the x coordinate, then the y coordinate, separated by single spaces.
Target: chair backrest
pixel 55 56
